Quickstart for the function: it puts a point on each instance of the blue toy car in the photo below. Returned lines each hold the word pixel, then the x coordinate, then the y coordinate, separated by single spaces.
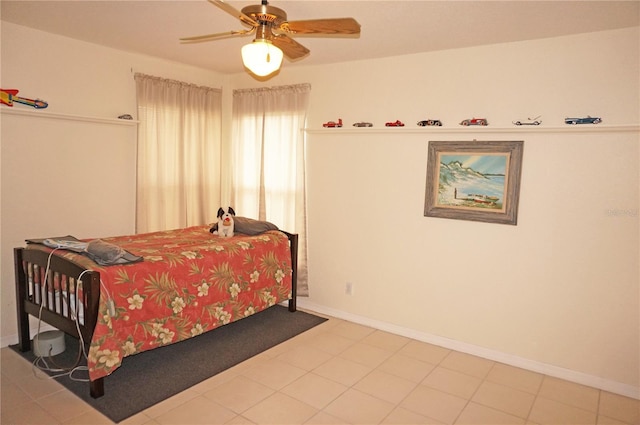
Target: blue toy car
pixel 586 120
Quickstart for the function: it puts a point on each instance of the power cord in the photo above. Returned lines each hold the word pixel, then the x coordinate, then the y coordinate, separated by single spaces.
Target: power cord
pixel 40 363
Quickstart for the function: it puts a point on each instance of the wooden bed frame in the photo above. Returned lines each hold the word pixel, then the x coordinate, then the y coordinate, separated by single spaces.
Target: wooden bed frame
pixel 53 309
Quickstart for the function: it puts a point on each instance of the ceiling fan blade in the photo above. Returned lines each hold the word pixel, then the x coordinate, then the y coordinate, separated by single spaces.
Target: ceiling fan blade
pixel 216 36
pixel 246 19
pixel 322 26
pixel 291 48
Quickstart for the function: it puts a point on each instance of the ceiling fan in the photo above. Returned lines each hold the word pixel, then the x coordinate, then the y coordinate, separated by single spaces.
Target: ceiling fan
pixel 273 34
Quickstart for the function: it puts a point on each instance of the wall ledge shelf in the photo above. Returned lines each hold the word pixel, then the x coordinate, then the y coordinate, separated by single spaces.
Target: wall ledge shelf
pixel 583 128
pixel 68 117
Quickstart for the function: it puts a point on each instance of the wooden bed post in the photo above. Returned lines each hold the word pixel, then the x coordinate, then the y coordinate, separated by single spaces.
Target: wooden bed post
pixel 96 388
pixel 24 339
pixel 293 240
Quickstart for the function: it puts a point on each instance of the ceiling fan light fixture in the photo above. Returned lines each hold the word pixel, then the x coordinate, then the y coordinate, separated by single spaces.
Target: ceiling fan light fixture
pixel 261 57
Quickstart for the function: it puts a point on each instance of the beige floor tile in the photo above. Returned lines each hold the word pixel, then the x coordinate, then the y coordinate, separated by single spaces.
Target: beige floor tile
pixel 287 346
pixel 138 419
pixel 343 371
pixel 314 390
pixel 274 373
pixel 250 363
pixel 239 420
pixel 64 405
pixel 468 364
pixel 452 382
pixel 385 386
pixel 28 414
pixel 401 416
pixel 38 386
pixel 13 365
pixel 424 352
pixel 239 394
pixel 515 377
pixel 351 330
pixel 476 414
pixel 216 380
pixel 603 420
pixel 386 340
pixel 331 343
pixel 198 410
pixel 570 393
pixel 434 404
pixel 280 409
pixel 91 417
pixel 323 418
pixel 551 412
pixel 505 399
pixel 365 354
pixel 170 403
pixel 619 407
pixel 406 367
pixel 356 407
pixel 11 394
pixel 305 357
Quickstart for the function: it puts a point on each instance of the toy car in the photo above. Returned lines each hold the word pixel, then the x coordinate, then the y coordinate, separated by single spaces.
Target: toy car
pixel 587 120
pixel 474 121
pixel 529 121
pixel 333 124
pixel 362 124
pixel 430 122
pixel 396 123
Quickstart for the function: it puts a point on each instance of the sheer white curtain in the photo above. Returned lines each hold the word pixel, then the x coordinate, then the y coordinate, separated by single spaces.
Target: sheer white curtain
pixel 268 151
pixel 179 145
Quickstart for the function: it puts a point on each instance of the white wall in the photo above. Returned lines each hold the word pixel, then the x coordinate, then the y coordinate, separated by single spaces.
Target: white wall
pixel 559 292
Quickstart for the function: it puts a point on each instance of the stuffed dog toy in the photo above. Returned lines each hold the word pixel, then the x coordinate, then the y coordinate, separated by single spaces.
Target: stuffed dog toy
pixel 224 226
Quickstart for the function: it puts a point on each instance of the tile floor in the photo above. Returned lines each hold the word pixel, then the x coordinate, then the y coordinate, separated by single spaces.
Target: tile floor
pixel 340 373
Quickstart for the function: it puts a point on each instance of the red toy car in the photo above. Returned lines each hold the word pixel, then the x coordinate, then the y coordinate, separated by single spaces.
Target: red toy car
pixel 333 124
pixel 397 123
pixel 474 121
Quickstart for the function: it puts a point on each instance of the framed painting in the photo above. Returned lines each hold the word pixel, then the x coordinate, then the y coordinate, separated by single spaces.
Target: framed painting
pixel 477 181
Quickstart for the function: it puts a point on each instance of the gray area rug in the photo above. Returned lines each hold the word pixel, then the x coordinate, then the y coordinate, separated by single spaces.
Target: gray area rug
pixel 152 376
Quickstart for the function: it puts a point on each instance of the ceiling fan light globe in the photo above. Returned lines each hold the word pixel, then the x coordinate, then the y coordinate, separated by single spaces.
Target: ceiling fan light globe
pixel 261 57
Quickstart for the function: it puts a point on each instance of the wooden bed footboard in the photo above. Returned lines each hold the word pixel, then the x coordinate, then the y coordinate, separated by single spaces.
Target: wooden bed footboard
pixel 60 293
pixel 67 296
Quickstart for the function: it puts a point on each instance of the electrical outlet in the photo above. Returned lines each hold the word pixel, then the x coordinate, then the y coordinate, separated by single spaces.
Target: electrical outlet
pixel 348 288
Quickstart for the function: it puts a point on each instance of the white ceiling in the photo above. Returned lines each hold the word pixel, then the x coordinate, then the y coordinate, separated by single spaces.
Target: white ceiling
pixel 389 28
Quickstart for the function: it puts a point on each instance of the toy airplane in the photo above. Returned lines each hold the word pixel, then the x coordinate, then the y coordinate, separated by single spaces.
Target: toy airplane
pixel 8 97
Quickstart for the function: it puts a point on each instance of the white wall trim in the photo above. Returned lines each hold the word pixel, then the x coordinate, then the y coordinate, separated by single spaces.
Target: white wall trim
pixel 583 128
pixel 509 359
pixel 68 117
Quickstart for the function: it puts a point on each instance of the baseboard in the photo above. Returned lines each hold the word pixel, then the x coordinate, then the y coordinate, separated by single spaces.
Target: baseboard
pixel 531 365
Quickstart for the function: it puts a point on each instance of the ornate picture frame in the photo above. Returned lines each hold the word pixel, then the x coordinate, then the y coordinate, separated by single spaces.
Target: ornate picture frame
pixel 476 180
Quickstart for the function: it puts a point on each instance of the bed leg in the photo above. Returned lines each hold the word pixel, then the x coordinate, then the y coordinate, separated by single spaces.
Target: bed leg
pixel 96 388
pixel 293 240
pixel 24 339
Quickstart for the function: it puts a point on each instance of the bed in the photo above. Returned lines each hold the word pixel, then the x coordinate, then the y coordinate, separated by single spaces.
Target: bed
pixel 189 282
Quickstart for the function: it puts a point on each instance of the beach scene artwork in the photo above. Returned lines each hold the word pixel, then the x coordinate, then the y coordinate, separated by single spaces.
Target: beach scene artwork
pixel 472 181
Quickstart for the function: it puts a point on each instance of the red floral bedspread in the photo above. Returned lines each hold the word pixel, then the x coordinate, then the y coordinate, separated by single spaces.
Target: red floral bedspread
pixel 190 282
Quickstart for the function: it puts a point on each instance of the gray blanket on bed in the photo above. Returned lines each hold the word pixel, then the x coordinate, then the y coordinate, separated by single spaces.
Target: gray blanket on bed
pixel 103 253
